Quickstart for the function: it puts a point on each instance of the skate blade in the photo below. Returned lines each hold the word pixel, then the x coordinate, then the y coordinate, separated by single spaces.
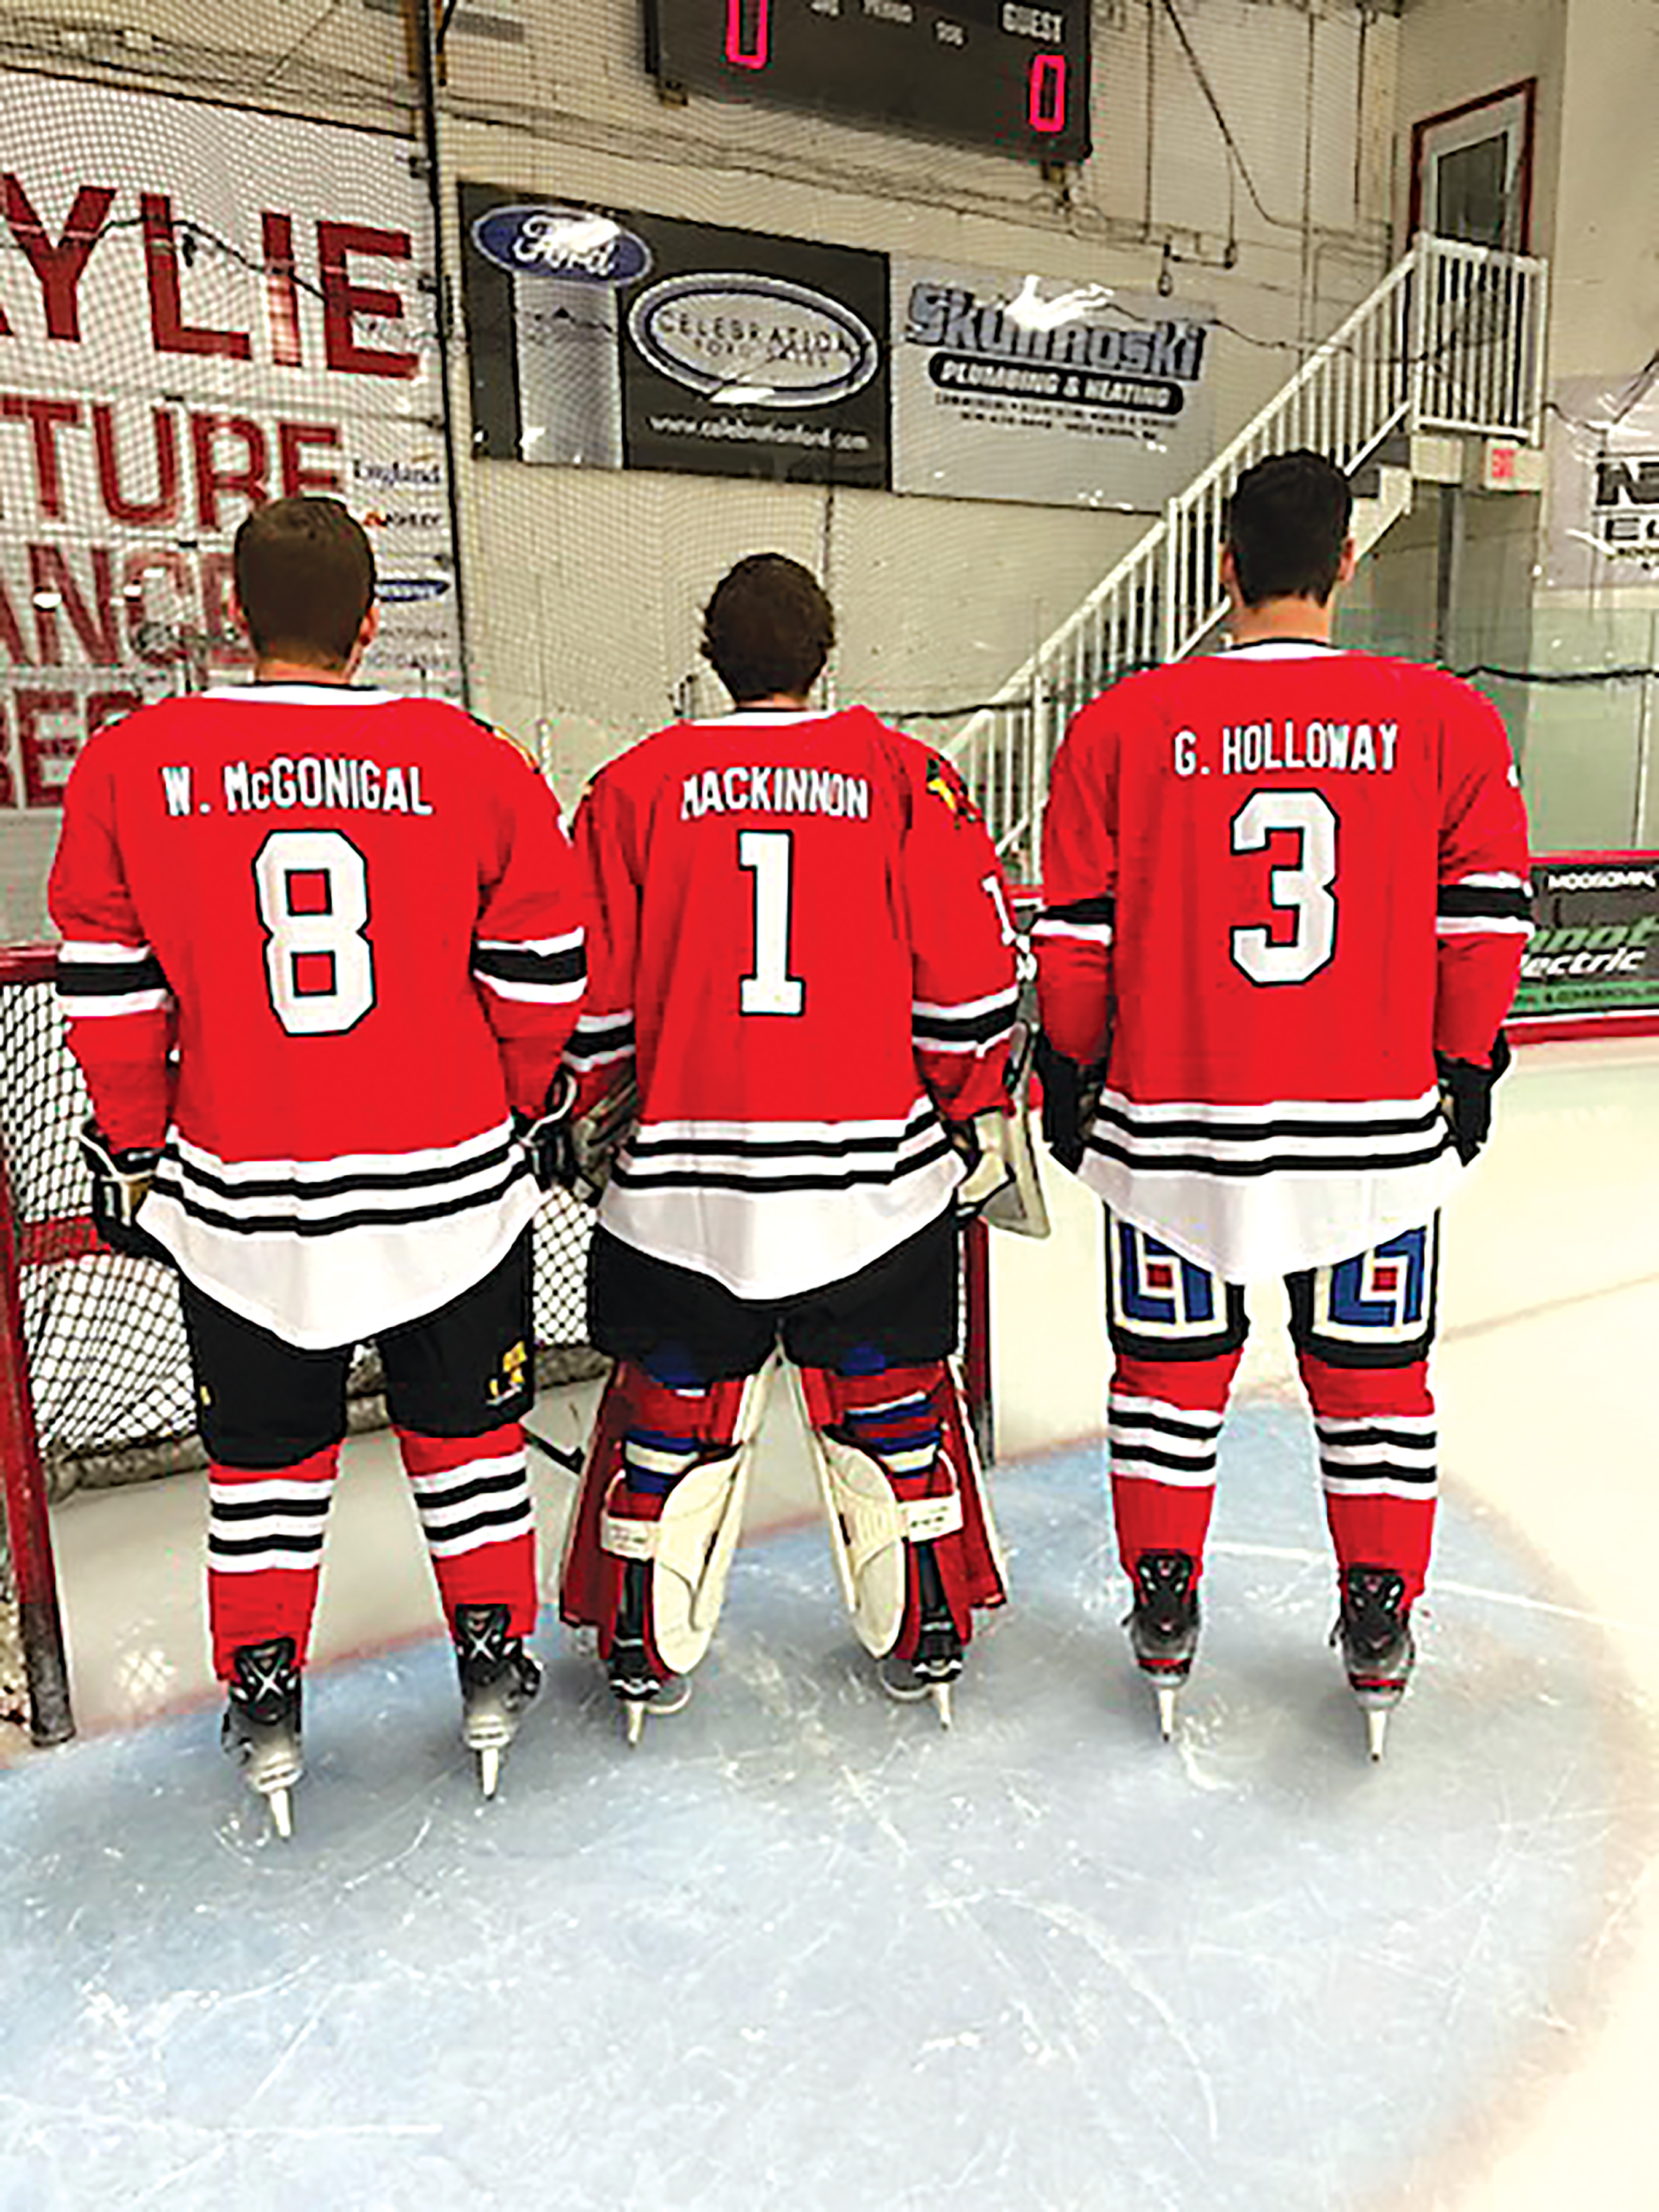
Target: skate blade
pixel 489 1768
pixel 1376 1730
pixel 940 1694
pixel 1168 1695
pixel 281 1810
pixel 673 1698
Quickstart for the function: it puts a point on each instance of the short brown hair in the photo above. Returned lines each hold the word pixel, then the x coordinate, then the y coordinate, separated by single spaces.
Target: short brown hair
pixel 769 629
pixel 1287 522
pixel 305 576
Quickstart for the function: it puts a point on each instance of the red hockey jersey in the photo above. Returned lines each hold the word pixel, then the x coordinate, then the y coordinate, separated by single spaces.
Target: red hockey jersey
pixel 359 920
pixel 1294 872
pixel 804 946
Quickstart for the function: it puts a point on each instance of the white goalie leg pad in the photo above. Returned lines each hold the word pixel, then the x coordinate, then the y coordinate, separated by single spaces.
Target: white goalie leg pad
pixel 870 1532
pixel 691 1543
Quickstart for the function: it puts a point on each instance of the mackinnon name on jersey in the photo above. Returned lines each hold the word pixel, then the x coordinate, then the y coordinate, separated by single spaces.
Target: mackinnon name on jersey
pixel 774 791
pixel 306 780
pixel 1253 748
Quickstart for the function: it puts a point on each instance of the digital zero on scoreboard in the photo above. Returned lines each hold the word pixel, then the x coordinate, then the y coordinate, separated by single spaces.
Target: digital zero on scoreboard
pixel 1011 76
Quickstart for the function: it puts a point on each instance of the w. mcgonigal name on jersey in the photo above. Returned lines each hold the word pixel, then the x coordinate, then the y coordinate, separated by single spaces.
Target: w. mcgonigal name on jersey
pixel 288 783
pixel 1259 748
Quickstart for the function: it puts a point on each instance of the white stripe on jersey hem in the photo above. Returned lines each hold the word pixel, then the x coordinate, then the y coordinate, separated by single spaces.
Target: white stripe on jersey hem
pixel 1349 1111
pixel 318 1293
pixel 920 1122
pixel 1486 880
pixel 345 1165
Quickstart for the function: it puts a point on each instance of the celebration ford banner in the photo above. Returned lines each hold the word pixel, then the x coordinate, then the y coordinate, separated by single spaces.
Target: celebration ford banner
pixel 598 337
pixel 1596 947
pixel 1020 388
pixel 201 308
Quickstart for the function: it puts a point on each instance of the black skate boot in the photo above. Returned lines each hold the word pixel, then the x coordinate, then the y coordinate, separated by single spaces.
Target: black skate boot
pixel 499 1679
pixel 938 1659
pixel 261 1726
pixel 633 1680
pixel 1374 1630
pixel 1163 1626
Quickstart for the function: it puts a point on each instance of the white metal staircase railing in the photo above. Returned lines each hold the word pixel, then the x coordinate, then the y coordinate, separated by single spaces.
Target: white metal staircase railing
pixel 1451 340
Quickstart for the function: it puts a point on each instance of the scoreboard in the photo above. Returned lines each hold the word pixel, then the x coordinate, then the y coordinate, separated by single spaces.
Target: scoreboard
pixel 1008 77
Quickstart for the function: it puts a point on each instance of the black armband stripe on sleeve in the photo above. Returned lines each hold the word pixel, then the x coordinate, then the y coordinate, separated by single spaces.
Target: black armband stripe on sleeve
pixel 513 965
pixel 1487 902
pixel 109 979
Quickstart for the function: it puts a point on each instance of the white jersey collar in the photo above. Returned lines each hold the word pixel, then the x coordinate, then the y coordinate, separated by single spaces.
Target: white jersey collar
pixel 1288 648
pixel 302 695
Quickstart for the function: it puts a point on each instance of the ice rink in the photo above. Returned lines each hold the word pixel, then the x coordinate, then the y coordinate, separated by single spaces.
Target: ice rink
pixel 805 1948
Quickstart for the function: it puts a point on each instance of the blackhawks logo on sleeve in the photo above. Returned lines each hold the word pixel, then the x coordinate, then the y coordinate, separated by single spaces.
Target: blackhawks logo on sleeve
pixel 946 786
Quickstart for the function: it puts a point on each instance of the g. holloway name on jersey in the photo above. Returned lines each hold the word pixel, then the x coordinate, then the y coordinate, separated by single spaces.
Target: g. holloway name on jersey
pixel 1259 748
pixel 284 784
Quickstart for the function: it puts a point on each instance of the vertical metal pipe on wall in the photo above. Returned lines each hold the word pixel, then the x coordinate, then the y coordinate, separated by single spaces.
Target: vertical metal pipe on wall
pixel 426 54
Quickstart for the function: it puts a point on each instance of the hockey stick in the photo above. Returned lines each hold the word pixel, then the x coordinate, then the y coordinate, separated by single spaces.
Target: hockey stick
pixel 571 1461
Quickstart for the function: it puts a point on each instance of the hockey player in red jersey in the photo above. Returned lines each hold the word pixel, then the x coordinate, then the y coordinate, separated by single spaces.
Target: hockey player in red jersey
pixel 1286 904
pixel 806 965
pixel 320 942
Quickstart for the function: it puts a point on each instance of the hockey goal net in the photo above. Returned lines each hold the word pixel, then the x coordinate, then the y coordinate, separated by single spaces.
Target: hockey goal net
pixel 97 1387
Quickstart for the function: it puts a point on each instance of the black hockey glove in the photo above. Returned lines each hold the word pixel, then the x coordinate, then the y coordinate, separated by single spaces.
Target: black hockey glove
pixel 1466 1096
pixel 578 1153
pixel 546 1139
pixel 120 1184
pixel 1070 1093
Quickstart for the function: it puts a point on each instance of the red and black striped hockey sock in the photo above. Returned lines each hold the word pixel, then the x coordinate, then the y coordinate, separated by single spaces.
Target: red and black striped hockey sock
pixel 264 1548
pixel 473 1497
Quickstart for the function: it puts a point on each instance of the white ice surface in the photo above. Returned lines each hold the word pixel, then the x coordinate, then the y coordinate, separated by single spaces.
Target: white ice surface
pixel 804 1949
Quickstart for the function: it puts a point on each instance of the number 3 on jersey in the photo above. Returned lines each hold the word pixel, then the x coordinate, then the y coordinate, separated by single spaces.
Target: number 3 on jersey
pixel 1303 887
pixel 313 891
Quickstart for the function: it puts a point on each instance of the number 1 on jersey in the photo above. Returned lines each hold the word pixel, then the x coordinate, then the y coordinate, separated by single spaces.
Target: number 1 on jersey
pixel 769 989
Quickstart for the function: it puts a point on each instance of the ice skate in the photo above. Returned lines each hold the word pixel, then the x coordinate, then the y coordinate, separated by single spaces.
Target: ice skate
pixel 499 1680
pixel 261 1726
pixel 1163 1626
pixel 1374 1631
pixel 635 1681
pixel 936 1661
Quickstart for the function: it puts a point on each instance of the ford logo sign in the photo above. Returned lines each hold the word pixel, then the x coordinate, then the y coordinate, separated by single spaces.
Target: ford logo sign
pixel 401 591
pixel 754 341
pixel 561 241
